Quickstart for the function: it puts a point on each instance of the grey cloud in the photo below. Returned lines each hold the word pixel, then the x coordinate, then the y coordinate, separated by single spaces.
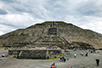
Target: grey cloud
pixel 31 7
pixel 3 11
pixel 54 8
pixel 8 1
pixel 88 11
pixel 29 11
pixel 90 8
pixel 20 8
pixel 15 6
pixel 6 28
pixel 9 25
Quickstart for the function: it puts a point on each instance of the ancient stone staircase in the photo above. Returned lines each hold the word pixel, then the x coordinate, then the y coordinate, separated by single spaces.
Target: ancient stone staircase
pixel 51 41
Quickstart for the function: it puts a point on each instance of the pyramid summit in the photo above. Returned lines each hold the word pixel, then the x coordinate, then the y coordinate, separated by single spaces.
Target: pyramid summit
pixel 53 33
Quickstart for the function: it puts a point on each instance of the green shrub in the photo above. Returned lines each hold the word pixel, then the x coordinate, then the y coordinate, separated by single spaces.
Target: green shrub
pixel 8 45
pixel 2 47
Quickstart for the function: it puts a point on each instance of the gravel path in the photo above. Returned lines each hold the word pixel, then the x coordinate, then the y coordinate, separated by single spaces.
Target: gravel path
pixel 78 62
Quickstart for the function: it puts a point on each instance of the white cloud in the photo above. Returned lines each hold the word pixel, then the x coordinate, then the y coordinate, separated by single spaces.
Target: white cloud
pixel 5 29
pixel 23 13
pixel 1 33
pixel 17 19
pixel 95 24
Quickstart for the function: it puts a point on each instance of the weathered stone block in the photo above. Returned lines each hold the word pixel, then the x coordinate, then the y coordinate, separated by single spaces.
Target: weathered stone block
pixel 34 54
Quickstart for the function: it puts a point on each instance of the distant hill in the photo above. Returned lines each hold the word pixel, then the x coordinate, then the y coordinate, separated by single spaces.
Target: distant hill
pixel 68 35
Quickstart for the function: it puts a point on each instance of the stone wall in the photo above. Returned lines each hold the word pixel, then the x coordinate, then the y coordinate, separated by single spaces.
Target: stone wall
pixel 34 54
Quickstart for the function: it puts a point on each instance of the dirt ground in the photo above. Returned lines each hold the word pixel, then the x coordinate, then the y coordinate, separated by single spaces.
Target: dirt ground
pixel 78 62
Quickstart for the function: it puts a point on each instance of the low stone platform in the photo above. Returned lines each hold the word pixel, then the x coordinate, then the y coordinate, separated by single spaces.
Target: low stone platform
pixel 34 53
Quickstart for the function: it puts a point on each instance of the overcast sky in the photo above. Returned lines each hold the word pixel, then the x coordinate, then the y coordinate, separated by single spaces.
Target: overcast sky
pixel 18 14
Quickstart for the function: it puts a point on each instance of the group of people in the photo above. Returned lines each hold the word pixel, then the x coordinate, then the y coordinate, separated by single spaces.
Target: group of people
pixel 63 58
pixel 81 53
pixel 5 48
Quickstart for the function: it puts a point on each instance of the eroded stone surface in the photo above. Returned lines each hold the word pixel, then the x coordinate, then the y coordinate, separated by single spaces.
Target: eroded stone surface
pixel 34 53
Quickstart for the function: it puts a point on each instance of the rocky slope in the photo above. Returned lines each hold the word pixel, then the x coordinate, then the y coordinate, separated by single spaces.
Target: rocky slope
pixel 74 35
